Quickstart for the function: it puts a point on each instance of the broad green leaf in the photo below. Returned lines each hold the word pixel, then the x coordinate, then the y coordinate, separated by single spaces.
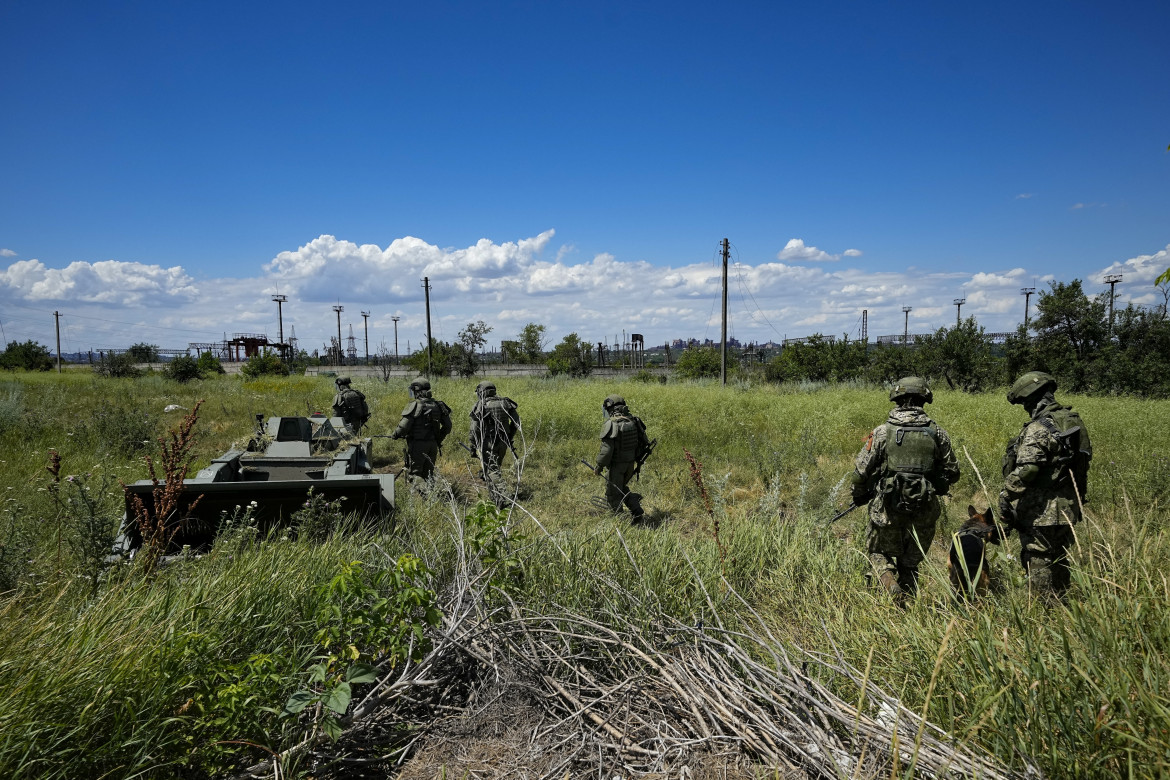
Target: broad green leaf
pixel 361 673
pixel 298 701
pixel 332 727
pixel 338 699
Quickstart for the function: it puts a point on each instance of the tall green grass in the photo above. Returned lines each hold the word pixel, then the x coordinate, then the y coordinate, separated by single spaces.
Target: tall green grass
pixel 1078 689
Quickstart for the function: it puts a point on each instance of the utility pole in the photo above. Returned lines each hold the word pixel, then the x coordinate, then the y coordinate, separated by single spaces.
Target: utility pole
pixel 906 326
pixel 57 320
pixel 959 310
pixel 865 324
pixel 396 318
pixel 339 309
pixel 280 299
pixel 723 330
pixel 366 325
pixel 1027 292
pixel 1111 280
pixel 427 290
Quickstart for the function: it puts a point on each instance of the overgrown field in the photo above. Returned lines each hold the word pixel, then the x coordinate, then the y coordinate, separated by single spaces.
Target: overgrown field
pixel 106 672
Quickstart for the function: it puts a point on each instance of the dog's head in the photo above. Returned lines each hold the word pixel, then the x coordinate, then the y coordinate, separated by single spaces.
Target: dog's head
pixel 982 524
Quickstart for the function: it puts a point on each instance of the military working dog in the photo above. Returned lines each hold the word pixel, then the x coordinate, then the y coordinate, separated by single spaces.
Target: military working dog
pixel 967 560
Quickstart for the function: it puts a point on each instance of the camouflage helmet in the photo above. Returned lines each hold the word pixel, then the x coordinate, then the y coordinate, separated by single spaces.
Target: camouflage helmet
pixel 485 389
pixel 342 380
pixel 611 401
pixel 911 386
pixel 419 385
pixel 1031 384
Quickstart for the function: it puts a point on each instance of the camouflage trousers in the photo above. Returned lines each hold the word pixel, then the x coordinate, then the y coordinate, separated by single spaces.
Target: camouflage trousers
pixel 421 456
pixel 491 459
pixel 617 489
pixel 1044 554
pixel 900 546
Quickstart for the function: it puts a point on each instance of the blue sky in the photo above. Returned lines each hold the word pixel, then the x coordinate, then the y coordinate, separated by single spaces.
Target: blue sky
pixel 165 167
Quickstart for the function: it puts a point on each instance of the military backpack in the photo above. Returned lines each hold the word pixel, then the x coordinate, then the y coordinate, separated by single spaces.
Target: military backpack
pixel 906 483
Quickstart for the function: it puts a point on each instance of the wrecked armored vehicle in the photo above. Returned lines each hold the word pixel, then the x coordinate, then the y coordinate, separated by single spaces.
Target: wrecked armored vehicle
pixel 285 459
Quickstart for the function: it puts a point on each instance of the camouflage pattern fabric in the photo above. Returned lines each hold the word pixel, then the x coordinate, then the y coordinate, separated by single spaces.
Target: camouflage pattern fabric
pixel 622 438
pixel 425 424
pixel 896 541
pixel 347 405
pixel 1039 488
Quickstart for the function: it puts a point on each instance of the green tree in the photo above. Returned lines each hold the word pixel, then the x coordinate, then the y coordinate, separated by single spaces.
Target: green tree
pixel 572 356
pixel 183 368
pixel 28 355
pixel 116 365
pixel 961 356
pixel 209 364
pixel 263 364
pixel 143 352
pixel 1071 332
pixel 532 343
pixel 818 359
pixel 698 363
pixel 471 340
pixel 890 362
pixel 444 357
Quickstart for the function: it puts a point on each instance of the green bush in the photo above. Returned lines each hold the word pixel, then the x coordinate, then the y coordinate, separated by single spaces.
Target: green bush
pixel 698 363
pixel 209 364
pixel 572 357
pixel 264 365
pixel 29 356
pixel 116 366
pixel 182 369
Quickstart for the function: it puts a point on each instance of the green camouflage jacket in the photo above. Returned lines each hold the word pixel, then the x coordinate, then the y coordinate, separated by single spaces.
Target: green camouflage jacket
pixel 870 465
pixel 1039 484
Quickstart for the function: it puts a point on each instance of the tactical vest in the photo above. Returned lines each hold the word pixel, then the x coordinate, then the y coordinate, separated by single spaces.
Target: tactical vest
pixel 354 406
pixel 626 438
pixel 1074 455
pixel 910 459
pixel 428 420
pixel 498 419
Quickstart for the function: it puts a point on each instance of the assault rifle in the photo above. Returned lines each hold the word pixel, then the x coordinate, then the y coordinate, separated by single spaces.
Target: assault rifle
pixel 645 456
pixel 844 512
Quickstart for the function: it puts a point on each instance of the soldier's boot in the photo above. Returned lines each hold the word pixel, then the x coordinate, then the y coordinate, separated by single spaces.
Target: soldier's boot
pixel 889 582
pixel 1041 579
pixel 908 582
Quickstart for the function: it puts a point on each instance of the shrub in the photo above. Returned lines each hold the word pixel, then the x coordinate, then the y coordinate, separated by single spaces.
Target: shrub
pixel 29 356
pixel 119 431
pixel 209 364
pixel 116 366
pixel 698 363
pixel 264 365
pixel 572 356
pixel 183 369
pixel 143 353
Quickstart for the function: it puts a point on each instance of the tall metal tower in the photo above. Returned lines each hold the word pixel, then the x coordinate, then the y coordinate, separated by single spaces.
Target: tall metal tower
pixel 396 318
pixel 1027 292
pixel 280 299
pixel 366 326
pixel 958 310
pixel 292 339
pixel 906 325
pixel 351 347
pixel 339 309
pixel 1111 280
pixel 865 324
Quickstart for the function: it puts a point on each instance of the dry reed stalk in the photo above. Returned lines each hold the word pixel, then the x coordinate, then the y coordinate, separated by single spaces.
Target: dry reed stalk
pixel 158 529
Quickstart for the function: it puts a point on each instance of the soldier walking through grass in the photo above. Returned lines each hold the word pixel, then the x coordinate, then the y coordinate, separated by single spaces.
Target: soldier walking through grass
pixel 1045 471
pixel 425 423
pixel 350 405
pixel 623 444
pixel 494 422
pixel 905 466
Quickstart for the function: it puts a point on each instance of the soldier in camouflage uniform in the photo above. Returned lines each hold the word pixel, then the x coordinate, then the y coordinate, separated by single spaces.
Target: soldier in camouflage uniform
pixel 1045 470
pixel 905 466
pixel 494 422
pixel 350 405
pixel 623 440
pixel 425 423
